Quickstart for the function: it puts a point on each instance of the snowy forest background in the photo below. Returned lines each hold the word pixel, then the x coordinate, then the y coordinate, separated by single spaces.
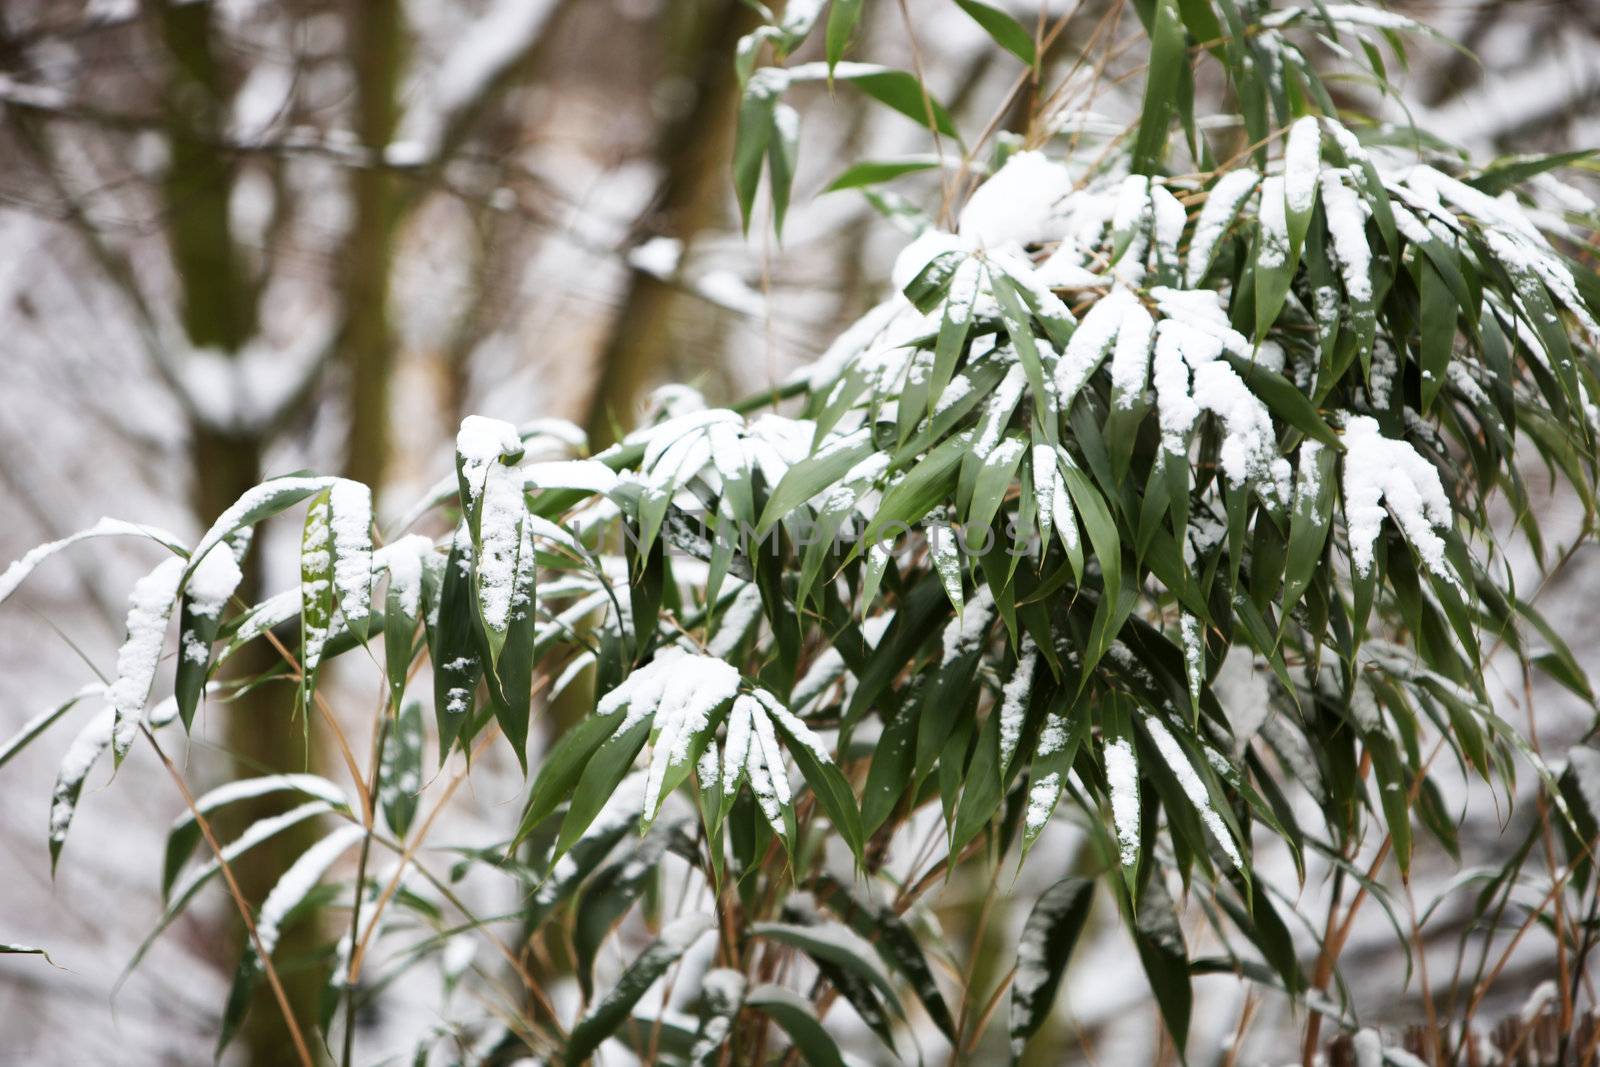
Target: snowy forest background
pixel 243 238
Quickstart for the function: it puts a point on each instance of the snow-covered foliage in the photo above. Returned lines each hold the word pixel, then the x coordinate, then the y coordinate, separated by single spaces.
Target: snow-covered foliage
pixel 1083 525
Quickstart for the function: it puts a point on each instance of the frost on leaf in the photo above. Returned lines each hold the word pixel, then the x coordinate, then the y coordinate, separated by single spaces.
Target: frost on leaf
pixel 1385 476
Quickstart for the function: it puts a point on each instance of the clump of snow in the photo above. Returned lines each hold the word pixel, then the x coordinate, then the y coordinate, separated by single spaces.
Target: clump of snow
pixel 965 632
pixel 1380 471
pixel 1042 797
pixel 481 442
pixel 1018 204
pixel 403 559
pixel 299 880
pixel 213 582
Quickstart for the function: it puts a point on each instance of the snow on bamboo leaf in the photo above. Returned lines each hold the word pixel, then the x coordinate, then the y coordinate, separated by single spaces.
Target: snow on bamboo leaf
pixel 350 514
pixel 1302 161
pixel 1046 944
pixel 1091 342
pixel 1274 222
pixel 1222 204
pixel 500 537
pixel 184 834
pixel 1378 472
pixel 1193 787
pixel 1130 360
pixel 149 609
pixel 257 503
pixel 479 445
pixel 79 760
pixel 299 880
pixel 1122 777
pixel 19 570
pixel 1347 223
pixel 1014 700
pixel 316 583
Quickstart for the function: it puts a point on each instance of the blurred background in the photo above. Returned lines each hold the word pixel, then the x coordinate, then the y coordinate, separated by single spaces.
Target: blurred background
pixel 240 238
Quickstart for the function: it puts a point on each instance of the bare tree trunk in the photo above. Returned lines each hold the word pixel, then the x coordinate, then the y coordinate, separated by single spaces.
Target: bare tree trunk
pixel 367 343
pixel 219 313
pixel 692 151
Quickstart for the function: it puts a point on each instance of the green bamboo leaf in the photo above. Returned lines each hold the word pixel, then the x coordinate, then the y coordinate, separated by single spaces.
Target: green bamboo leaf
pixel 799 1020
pixel 511 679
pixel 894 941
pixel 604 771
pixel 562 768
pixel 897 89
pixel 981 795
pixel 1309 521
pixel 605 1017
pixel 205 595
pixel 810 476
pixel 184 890
pixel 400 769
pixel 185 835
pixel 26 950
pixel 293 889
pixel 1284 400
pixel 1438 330
pixel 1048 939
pixel 752 135
pixel 316 589
pixel 456 647
pixel 843 17
pixel 1167 63
pixel 874 171
pixel 835 944
pixel 1007 32
pixel 782 149
pixel 607 898
pixel 44 720
pixel 1159 939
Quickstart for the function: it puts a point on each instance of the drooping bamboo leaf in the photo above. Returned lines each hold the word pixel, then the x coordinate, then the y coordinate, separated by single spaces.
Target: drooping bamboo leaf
pixel 602 1020
pixel 1048 939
